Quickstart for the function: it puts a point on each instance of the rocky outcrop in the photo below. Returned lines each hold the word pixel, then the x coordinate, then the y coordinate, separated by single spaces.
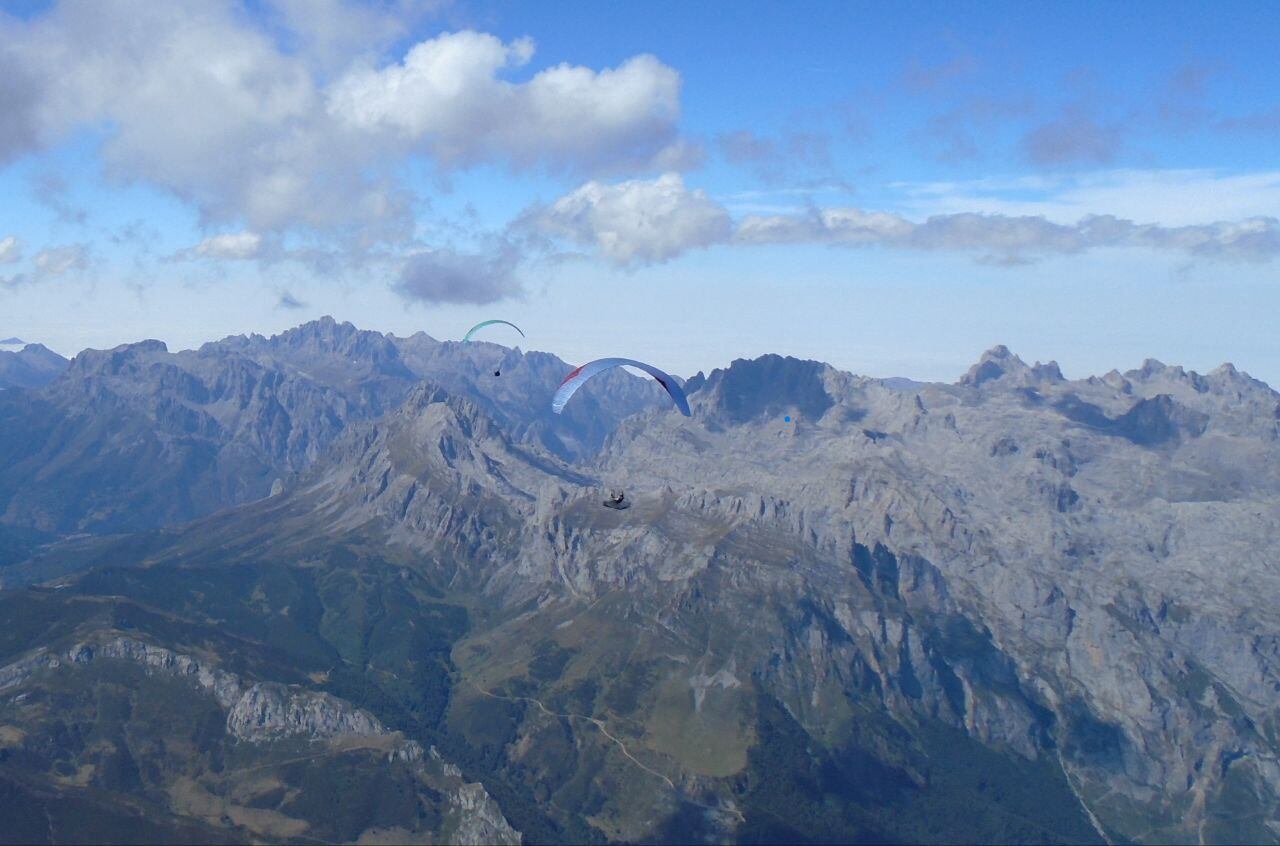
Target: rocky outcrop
pixel 478 818
pixel 267 711
pixel 263 712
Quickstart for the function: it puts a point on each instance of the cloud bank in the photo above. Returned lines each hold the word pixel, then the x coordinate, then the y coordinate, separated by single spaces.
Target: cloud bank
pixel 645 222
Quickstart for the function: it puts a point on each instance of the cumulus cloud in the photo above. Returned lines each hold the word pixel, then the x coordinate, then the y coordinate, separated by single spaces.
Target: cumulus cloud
pixel 448 276
pixel 10 249
pixel 195 100
pixel 280 122
pixel 235 245
pixel 634 222
pixel 329 34
pixel 449 96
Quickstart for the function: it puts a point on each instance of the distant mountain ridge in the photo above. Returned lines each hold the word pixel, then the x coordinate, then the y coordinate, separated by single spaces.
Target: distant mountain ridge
pixel 217 426
pixel 28 365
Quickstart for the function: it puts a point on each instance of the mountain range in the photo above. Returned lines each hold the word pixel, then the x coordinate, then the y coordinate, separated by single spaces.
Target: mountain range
pixel 341 585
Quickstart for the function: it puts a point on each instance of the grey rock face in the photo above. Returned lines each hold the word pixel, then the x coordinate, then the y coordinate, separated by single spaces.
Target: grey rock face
pixel 268 710
pixel 1097 560
pixel 478 818
pixel 1119 541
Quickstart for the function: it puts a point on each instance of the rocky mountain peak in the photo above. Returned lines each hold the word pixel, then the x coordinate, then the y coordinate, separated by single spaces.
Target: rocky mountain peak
pixel 1149 368
pixel 767 385
pixel 1049 372
pixel 1153 370
pixel 996 363
pixel 1000 363
pixel 1227 375
pixel 117 359
pixel 467 414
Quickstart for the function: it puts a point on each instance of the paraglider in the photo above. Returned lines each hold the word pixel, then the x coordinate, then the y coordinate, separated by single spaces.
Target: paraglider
pixel 617 500
pixel 484 323
pixel 578 378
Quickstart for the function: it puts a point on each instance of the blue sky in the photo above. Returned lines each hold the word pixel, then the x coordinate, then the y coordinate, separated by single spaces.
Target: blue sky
pixel 889 187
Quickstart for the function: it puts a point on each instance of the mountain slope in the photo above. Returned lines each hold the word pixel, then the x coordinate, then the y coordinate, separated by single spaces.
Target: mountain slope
pixel 1014 609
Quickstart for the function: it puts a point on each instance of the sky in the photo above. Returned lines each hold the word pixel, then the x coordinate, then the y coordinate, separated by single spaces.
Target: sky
pixel 889 187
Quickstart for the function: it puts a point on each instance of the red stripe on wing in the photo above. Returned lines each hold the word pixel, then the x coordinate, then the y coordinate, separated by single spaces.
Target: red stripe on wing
pixel 571 375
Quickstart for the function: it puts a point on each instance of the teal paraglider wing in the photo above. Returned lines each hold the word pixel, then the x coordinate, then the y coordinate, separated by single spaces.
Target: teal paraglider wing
pixel 579 377
pixel 484 323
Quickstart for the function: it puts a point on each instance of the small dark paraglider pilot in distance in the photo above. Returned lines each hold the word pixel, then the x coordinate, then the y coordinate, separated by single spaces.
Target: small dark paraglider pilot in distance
pixel 618 500
pixel 484 323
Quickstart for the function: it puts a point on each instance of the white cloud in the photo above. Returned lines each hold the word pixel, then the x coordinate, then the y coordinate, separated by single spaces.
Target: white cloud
pixel 197 101
pixel 634 222
pixel 329 34
pixel 639 222
pixel 236 245
pixel 10 249
pixel 265 122
pixel 448 95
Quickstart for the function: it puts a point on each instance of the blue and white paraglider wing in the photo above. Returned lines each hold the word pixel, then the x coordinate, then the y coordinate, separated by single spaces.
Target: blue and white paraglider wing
pixel 579 377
